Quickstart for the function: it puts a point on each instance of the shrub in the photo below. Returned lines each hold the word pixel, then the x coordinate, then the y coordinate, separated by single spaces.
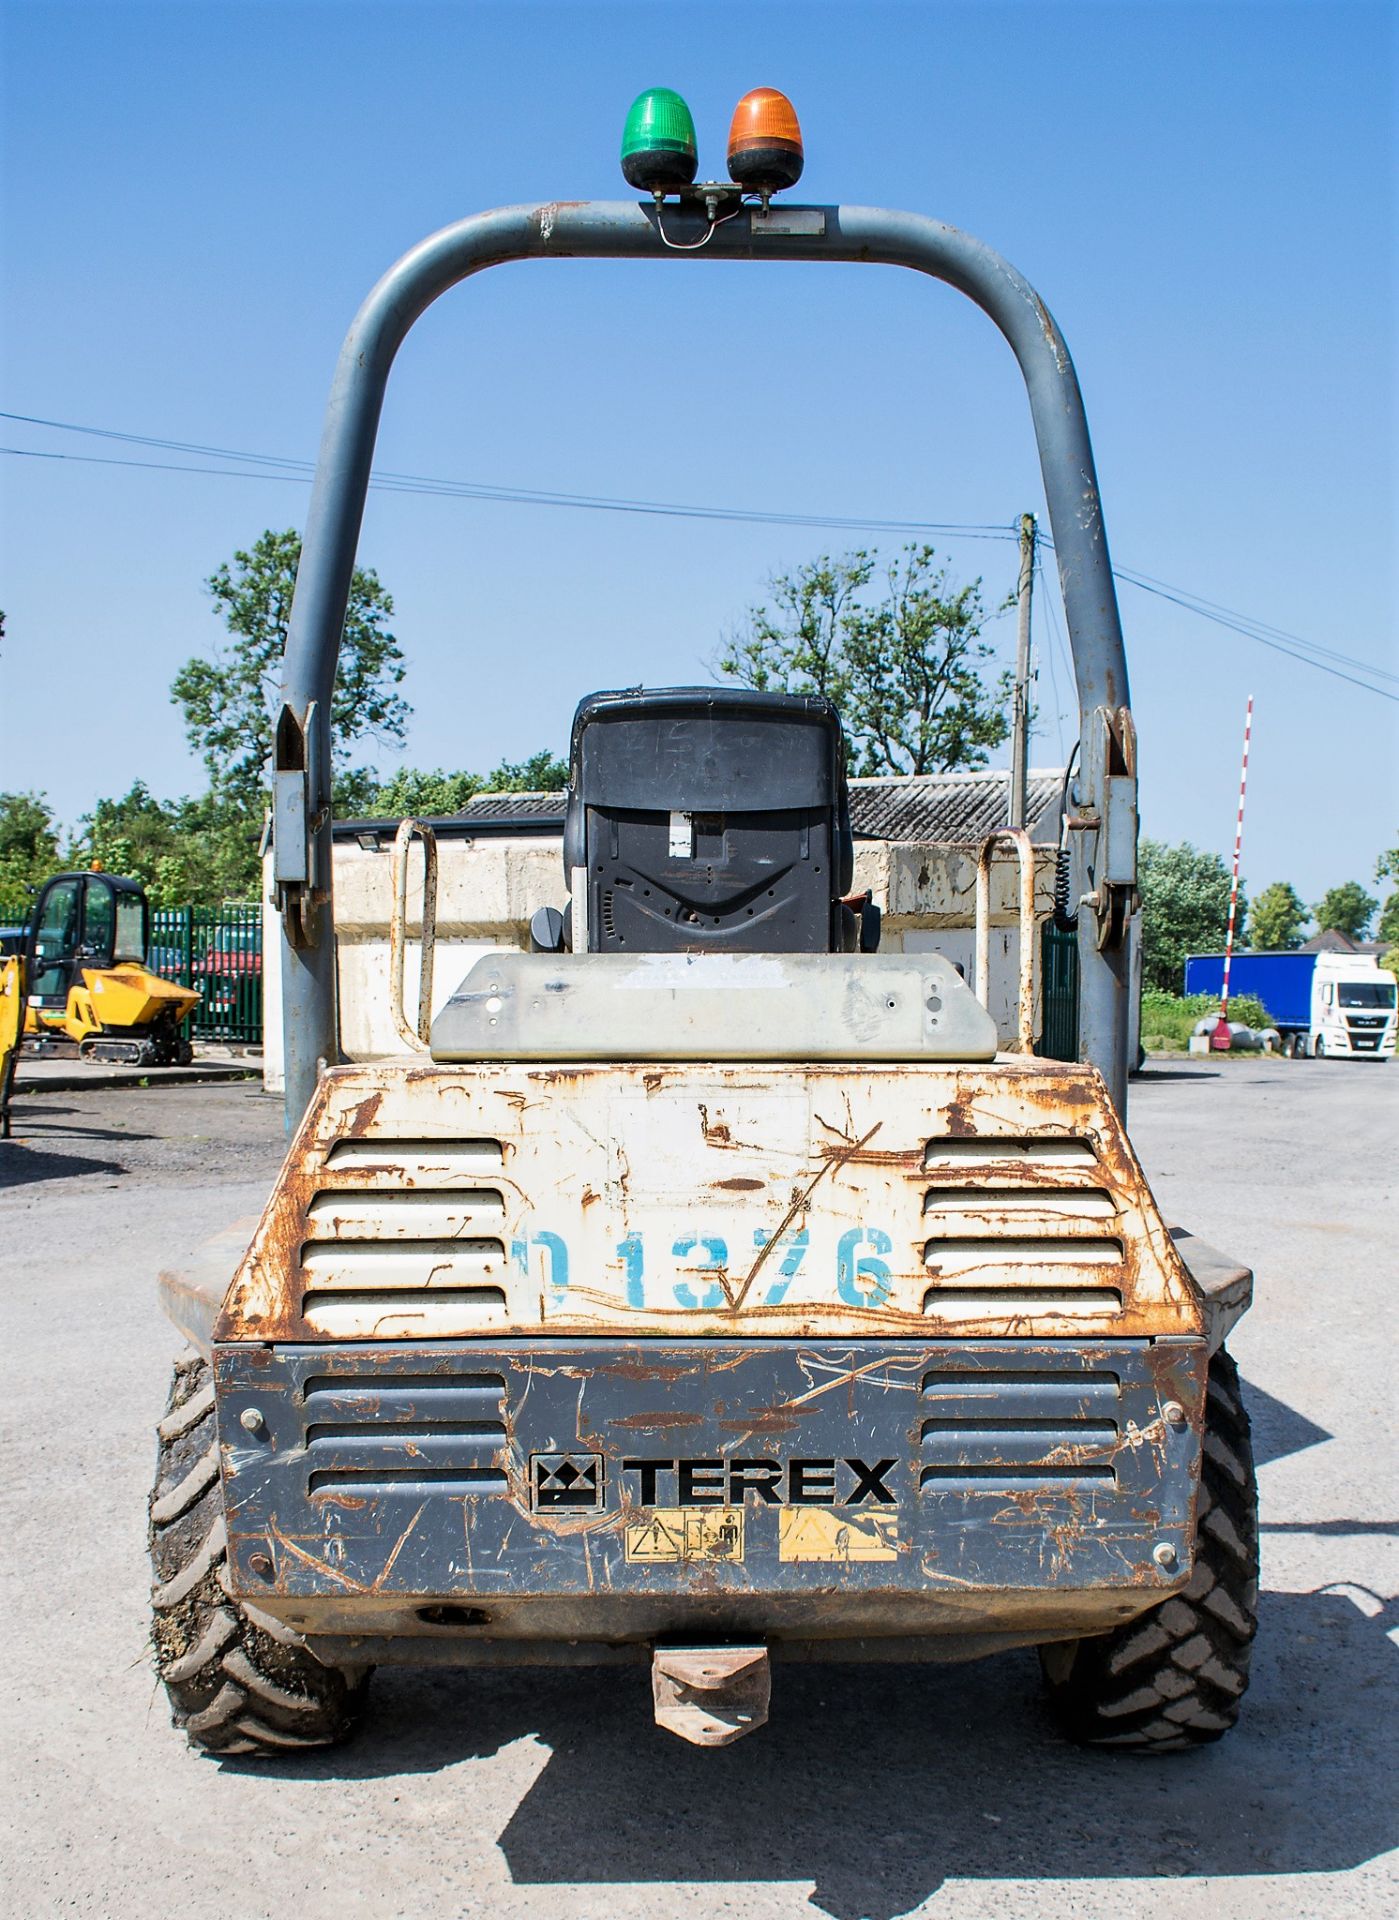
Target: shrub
pixel 1173 1018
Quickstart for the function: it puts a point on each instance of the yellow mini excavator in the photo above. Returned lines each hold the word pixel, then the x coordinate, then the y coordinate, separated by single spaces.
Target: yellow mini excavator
pixel 86 978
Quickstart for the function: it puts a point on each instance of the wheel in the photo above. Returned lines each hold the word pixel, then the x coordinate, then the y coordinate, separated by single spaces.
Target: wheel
pixel 184 1053
pixel 238 1681
pixel 1173 1678
pixel 1318 1048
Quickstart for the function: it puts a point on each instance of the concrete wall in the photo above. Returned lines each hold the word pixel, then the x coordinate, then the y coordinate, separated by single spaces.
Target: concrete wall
pixel 488 888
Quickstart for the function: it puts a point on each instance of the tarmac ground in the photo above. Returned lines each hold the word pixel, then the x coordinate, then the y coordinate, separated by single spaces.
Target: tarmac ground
pixel 875 1792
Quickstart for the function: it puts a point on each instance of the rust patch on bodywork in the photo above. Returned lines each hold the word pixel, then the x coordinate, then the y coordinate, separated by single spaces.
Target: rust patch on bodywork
pixel 359 1121
pixel 659 1422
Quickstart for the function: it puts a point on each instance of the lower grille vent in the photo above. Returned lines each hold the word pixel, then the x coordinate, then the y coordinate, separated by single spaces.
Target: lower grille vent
pixel 381 1433
pixel 1051 1429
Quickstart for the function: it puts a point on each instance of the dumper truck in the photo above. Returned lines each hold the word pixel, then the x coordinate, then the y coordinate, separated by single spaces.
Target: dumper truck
pixel 702 1290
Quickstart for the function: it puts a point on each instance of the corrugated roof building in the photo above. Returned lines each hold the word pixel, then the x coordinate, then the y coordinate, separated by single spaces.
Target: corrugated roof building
pixel 950 809
pixel 933 809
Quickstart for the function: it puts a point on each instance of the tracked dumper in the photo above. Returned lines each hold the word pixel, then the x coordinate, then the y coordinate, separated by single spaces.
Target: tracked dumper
pixel 703 1290
pixel 85 977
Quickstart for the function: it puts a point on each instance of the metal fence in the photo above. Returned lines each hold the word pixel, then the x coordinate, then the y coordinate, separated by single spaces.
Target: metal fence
pixel 1059 998
pixel 217 950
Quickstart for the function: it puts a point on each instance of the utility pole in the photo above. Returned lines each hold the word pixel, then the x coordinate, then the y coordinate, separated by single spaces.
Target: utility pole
pixel 1020 711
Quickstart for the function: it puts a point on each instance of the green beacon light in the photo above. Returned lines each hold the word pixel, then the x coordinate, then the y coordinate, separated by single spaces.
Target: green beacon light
pixel 659 154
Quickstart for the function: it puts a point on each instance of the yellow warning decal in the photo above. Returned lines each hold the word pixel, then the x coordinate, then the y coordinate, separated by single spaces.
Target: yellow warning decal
pixel 670 1534
pixel 819 1533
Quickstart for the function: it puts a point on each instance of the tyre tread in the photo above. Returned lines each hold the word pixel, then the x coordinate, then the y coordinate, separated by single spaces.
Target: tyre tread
pixel 239 1682
pixel 1173 1678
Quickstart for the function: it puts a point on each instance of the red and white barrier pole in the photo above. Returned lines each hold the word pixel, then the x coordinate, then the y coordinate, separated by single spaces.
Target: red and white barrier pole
pixel 1219 1039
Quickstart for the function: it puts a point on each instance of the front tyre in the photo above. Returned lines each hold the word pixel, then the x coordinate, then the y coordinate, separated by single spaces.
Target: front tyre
pixel 239 1682
pixel 1173 1678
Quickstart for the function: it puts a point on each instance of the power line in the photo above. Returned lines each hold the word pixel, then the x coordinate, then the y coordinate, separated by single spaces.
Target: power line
pixel 257 466
pixel 150 466
pixel 388 481
pixel 1202 605
pixel 1314 656
pixel 1047 602
pixel 1250 633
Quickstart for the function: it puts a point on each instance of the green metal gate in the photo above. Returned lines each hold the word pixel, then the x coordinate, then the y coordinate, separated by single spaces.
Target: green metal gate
pixel 1059 973
pixel 218 950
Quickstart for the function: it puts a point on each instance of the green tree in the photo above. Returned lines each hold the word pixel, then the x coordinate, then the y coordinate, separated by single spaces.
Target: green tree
pixel 1387 868
pixel 903 666
pixel 129 835
pixel 797 646
pixel 425 792
pixel 28 844
pixel 1185 909
pixel 1277 919
pixel 229 700
pixel 189 852
pixel 214 855
pixel 431 793
pixel 543 772
pixel 1346 909
pixel 354 791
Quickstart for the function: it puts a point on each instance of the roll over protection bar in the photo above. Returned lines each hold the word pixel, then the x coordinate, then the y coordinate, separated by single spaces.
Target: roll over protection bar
pixel 1105 800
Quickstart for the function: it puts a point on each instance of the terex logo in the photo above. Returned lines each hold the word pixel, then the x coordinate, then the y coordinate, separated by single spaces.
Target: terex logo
pixel 715 1482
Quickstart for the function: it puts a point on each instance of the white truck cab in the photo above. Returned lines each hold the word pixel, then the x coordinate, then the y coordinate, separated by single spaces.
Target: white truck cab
pixel 1353 1007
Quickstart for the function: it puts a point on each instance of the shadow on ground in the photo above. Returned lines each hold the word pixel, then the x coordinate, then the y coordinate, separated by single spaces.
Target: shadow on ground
pixel 22 1165
pixel 48 1128
pixel 1152 1072
pixel 874 1785
pixel 1278 1430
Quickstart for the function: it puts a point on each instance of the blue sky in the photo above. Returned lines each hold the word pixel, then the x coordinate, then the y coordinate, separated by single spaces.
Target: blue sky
pixel 197 197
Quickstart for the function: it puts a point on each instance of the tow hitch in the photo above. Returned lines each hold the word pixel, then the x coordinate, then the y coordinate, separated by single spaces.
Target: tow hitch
pixel 711 1696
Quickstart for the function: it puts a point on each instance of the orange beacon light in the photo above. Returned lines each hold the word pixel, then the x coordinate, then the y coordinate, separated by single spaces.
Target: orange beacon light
pixel 765 142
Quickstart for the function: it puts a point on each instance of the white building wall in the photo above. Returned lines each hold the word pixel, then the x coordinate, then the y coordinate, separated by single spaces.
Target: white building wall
pixel 488 888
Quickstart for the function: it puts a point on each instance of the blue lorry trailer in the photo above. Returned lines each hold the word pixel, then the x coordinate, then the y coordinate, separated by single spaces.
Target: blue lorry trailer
pixel 1282 981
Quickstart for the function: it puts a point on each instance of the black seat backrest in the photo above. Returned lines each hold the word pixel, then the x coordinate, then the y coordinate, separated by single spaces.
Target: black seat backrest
pixel 703 819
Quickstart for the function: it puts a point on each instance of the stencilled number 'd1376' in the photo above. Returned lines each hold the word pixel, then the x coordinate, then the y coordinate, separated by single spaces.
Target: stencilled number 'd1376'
pixel 861 1273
